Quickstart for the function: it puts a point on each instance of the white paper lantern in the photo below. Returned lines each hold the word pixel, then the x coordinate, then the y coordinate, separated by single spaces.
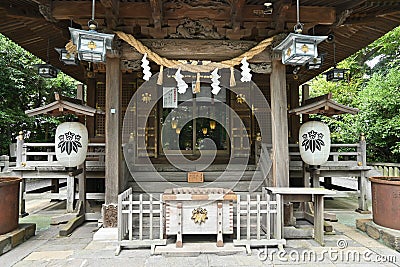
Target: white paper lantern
pixel 71 143
pixel 314 142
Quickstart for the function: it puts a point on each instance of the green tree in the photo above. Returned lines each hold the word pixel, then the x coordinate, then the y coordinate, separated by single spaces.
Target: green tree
pixel 379 116
pixel 22 89
pixel 373 87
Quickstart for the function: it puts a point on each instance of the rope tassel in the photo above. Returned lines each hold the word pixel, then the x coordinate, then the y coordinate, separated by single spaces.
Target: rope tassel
pixel 197 86
pixel 160 75
pixel 232 81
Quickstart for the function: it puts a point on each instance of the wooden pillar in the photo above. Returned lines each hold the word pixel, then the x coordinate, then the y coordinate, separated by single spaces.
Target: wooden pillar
pixel 91 102
pixel 363 179
pixel 280 147
pixel 113 140
pixel 70 192
pixel 294 120
pixel 305 94
pixel 82 186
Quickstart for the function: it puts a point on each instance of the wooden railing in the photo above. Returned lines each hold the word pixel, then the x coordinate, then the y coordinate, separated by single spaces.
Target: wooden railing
pixel 341 157
pixel 267 215
pixel 140 221
pixel 44 155
pixel 387 169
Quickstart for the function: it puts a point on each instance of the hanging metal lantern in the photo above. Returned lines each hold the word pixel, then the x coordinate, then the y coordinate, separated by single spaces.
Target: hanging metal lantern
pixel 335 75
pixel 71 143
pixel 315 63
pixel 92 46
pixel 46 70
pixel 66 57
pixel 298 49
pixel 314 142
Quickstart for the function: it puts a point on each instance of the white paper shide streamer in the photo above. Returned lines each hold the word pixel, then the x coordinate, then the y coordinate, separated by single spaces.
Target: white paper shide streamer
pixel 180 83
pixel 215 82
pixel 146 68
pixel 246 75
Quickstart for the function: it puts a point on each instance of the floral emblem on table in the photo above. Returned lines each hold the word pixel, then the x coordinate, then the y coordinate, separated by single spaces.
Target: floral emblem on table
pixel 69 142
pixel 199 215
pixel 312 141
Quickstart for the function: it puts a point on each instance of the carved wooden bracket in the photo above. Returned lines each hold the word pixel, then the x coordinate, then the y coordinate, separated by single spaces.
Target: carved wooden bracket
pixel 112 13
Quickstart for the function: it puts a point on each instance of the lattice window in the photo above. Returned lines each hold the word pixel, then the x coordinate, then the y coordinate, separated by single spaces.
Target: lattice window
pixel 128 89
pixel 100 120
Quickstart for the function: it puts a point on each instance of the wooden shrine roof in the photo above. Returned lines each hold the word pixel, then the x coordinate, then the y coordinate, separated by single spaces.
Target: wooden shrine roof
pixel 225 28
pixel 62 106
pixel 323 105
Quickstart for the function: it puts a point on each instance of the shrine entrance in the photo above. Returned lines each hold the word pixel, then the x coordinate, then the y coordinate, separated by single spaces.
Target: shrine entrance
pixel 197 125
pixel 163 124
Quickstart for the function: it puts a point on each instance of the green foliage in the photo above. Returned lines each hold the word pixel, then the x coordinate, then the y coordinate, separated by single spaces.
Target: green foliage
pixel 375 90
pixel 379 103
pixel 22 89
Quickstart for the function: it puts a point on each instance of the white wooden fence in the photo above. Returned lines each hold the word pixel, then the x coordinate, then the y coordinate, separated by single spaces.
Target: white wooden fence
pixel 44 155
pixel 140 221
pixel 387 169
pixel 258 222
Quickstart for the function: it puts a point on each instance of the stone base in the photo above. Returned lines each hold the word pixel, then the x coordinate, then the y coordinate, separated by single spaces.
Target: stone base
pixel 106 234
pixel 12 239
pixel 387 236
pixel 194 249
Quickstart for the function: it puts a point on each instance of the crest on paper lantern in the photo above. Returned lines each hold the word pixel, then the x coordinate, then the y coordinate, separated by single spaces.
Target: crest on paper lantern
pixel 71 143
pixel 314 142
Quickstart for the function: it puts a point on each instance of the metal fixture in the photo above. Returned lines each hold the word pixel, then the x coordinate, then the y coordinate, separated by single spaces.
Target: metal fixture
pixel 91 45
pixel 299 49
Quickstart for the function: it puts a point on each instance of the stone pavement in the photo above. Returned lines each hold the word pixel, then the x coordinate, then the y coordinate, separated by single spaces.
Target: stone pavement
pixel 348 247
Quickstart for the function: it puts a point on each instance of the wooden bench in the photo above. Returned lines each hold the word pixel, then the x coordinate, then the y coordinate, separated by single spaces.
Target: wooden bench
pixel 300 194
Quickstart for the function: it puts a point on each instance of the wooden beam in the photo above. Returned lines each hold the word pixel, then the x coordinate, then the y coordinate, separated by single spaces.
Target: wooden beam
pixel 236 14
pixel 45 10
pixel 112 13
pixel 41 2
pixel 279 14
pixel 157 15
pixel 312 14
pixel 141 11
pixel 113 137
pixel 20 12
pixel 280 147
pixel 72 225
pixel 215 50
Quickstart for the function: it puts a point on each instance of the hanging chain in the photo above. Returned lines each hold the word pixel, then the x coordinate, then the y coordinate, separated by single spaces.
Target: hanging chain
pixel 298 28
pixel 48 53
pixel 93 8
pixel 334 54
pixel 93 23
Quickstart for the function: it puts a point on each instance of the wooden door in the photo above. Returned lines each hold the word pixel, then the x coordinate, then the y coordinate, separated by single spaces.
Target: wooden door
pixel 240 115
pixel 147 123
